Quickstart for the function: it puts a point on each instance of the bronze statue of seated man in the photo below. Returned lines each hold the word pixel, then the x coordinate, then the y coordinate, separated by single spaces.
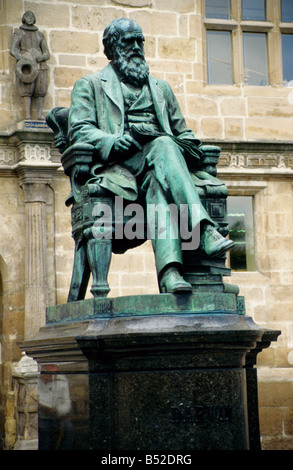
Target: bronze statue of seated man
pixel 135 125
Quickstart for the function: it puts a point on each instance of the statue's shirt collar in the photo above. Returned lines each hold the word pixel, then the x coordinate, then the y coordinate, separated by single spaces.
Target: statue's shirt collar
pixel 26 27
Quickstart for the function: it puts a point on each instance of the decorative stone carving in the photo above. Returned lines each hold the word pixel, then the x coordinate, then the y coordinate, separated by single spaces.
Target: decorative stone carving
pixel 35 153
pixel 7 155
pixel 26 375
pixel 256 160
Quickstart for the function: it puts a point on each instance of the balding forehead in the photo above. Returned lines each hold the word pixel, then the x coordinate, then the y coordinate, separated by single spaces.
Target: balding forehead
pixel 122 26
pixel 126 25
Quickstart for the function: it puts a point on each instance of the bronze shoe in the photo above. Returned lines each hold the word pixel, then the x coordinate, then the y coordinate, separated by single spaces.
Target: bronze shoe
pixel 213 243
pixel 173 282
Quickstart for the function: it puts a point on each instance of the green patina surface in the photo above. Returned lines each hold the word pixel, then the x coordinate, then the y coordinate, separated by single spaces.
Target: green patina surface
pixel 146 305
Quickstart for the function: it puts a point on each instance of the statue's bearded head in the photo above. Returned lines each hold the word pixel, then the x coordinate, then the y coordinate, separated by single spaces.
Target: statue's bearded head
pixel 123 45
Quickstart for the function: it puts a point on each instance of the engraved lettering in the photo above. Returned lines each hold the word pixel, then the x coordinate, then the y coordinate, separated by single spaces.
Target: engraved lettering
pixel 103 306
pixel 201 413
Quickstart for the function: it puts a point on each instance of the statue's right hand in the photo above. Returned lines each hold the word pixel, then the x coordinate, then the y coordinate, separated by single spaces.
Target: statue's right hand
pixel 124 143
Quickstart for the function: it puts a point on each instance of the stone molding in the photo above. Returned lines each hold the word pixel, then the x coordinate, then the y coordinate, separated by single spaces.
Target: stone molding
pixel 250 160
pixel 255 159
pixel 21 154
pixel 28 149
pixel 35 152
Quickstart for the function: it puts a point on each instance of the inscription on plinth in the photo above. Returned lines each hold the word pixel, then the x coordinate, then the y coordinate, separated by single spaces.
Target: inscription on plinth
pixel 192 413
pixel 197 409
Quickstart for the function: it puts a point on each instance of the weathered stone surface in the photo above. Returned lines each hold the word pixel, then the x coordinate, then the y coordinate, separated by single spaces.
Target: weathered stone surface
pixel 78 42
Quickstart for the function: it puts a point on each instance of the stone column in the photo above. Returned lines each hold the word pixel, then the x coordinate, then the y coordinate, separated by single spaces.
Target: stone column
pixel 36 287
pixel 35 171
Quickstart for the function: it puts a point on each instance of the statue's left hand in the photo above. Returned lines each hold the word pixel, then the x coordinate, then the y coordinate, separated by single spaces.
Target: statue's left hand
pixel 39 58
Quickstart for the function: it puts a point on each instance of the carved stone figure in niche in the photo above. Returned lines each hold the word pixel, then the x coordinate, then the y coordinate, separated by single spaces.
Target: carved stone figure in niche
pixel 30 49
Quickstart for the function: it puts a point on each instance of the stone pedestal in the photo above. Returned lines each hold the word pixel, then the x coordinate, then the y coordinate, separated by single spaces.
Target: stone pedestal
pixel 167 377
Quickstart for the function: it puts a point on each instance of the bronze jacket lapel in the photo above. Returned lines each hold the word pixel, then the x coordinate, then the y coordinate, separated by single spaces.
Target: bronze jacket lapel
pixel 159 104
pixel 112 88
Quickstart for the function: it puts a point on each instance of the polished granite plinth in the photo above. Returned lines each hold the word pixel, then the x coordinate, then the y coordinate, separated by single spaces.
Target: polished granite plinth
pixel 179 375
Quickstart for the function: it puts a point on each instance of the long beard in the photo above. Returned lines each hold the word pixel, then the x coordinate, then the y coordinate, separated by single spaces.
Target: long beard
pixel 133 69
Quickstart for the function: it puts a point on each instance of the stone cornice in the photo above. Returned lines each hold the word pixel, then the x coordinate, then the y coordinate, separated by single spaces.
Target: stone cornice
pixel 255 159
pixel 29 154
pixel 34 149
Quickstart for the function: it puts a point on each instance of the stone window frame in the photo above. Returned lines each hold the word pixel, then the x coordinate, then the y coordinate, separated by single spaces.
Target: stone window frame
pixel 273 27
pixel 247 193
pixel 247 188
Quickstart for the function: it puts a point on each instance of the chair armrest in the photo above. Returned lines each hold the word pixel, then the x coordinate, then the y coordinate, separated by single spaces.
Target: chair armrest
pixel 77 154
pixel 210 158
pixel 57 120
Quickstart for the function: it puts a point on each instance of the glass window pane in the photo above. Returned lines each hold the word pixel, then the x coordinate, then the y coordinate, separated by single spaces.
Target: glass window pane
pixel 287 59
pixel 255 59
pixel 241 231
pixel 218 9
pixel 219 57
pixel 254 10
pixel 287 11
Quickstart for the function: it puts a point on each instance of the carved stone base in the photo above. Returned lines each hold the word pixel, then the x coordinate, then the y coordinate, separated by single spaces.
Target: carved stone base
pixel 169 381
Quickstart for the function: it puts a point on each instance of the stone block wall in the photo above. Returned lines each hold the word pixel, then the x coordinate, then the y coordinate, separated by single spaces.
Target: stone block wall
pixel 175 49
pixel 245 121
pixel 276 409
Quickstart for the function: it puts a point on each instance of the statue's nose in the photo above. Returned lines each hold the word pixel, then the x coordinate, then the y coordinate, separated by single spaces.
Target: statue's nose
pixel 135 45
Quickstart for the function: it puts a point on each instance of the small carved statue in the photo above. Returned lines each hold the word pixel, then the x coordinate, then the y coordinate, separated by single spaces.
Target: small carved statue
pixel 30 49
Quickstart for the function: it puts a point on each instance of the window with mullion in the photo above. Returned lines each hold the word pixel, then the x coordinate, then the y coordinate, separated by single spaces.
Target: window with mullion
pixel 223 31
pixel 287 59
pixel 254 10
pixel 255 59
pixel 218 9
pixel 287 11
pixel 219 57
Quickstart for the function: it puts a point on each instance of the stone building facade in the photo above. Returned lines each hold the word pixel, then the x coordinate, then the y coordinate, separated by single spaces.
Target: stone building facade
pixel 251 123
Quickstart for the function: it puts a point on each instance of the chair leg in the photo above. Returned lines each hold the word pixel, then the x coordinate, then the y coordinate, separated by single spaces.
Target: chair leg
pixel 80 275
pixel 99 257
